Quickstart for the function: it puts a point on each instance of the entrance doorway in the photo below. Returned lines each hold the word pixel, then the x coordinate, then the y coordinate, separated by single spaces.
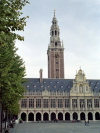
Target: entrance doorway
pixel 97 116
pixel 60 116
pixel 45 116
pixel 31 117
pixel 90 116
pixel 82 116
pixel 38 117
pixel 23 116
pixel 67 116
pixel 53 116
pixel 75 116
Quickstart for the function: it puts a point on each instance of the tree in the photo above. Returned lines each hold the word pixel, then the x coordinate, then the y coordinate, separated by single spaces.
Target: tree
pixel 12 71
pixel 12 68
pixel 11 20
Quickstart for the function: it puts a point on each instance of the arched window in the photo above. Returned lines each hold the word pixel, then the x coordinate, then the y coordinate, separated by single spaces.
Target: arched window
pixel 55 32
pixel 52 33
pixel 55 43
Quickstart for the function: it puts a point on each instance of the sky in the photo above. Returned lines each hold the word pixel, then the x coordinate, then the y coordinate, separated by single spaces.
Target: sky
pixel 79 23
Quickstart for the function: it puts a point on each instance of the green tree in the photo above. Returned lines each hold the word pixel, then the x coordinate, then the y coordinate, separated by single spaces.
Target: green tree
pixel 11 20
pixel 12 71
pixel 12 68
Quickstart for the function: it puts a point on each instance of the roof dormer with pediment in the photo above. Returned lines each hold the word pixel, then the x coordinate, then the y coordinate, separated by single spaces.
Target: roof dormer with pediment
pixel 80 85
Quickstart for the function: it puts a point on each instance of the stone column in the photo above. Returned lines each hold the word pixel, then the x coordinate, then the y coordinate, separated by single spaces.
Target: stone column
pixel 93 116
pixel 70 103
pixel 86 116
pixel 57 115
pixel 41 116
pixel 92 103
pixel 49 117
pixel 71 116
pixel 78 115
pixel 26 117
pixel 64 116
pixel 34 116
pixel 34 103
pixel 78 103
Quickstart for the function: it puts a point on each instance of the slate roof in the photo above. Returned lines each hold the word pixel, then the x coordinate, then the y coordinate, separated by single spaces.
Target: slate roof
pixel 34 84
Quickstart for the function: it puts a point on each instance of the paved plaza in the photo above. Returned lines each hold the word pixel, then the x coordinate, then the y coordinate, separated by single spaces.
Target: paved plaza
pixel 93 127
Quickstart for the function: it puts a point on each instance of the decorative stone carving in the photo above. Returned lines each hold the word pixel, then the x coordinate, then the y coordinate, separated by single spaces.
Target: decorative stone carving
pixel 80 85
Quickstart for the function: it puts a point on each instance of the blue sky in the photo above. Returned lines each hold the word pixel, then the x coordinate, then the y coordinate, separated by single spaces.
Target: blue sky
pixel 79 22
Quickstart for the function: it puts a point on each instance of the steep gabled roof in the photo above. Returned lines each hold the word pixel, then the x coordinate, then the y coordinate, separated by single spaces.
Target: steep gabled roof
pixel 34 84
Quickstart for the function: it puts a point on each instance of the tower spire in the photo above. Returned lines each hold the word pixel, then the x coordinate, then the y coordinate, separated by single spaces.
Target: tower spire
pixel 55 52
pixel 54 13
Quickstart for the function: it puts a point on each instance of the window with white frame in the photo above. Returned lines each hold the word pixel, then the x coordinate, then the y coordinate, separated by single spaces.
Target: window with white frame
pixel 89 103
pixel 53 103
pixel 45 103
pixel 74 103
pixel 82 103
pixel 23 103
pixel 60 103
pixel 38 103
pixel 96 103
pixel 67 103
pixel 31 103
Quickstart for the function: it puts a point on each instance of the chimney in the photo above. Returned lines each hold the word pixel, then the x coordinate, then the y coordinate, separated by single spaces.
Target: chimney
pixel 41 78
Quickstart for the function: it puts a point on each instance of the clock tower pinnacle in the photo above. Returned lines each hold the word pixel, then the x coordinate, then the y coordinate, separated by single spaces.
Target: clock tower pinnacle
pixel 55 52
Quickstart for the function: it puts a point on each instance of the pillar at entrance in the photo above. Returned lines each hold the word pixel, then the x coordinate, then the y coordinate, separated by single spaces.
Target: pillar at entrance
pixel 34 117
pixel 27 117
pixel 41 117
pixel 71 116
pixel 63 116
pixel 78 116
pixel 93 116
pixel 86 117
pixel 49 118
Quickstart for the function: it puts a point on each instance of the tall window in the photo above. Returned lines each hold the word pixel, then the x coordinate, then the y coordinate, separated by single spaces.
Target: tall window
pixel 38 103
pixel 55 32
pixel 60 103
pixel 55 43
pixel 82 103
pixel 52 33
pixel 24 103
pixel 53 103
pixel 67 103
pixel 96 103
pixel 45 103
pixel 31 103
pixel 89 103
pixel 74 103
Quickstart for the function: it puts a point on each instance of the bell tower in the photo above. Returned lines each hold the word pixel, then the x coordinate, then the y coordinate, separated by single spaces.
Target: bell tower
pixel 55 52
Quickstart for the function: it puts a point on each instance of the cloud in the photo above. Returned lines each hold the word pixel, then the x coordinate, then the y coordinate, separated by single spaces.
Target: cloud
pixel 79 22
